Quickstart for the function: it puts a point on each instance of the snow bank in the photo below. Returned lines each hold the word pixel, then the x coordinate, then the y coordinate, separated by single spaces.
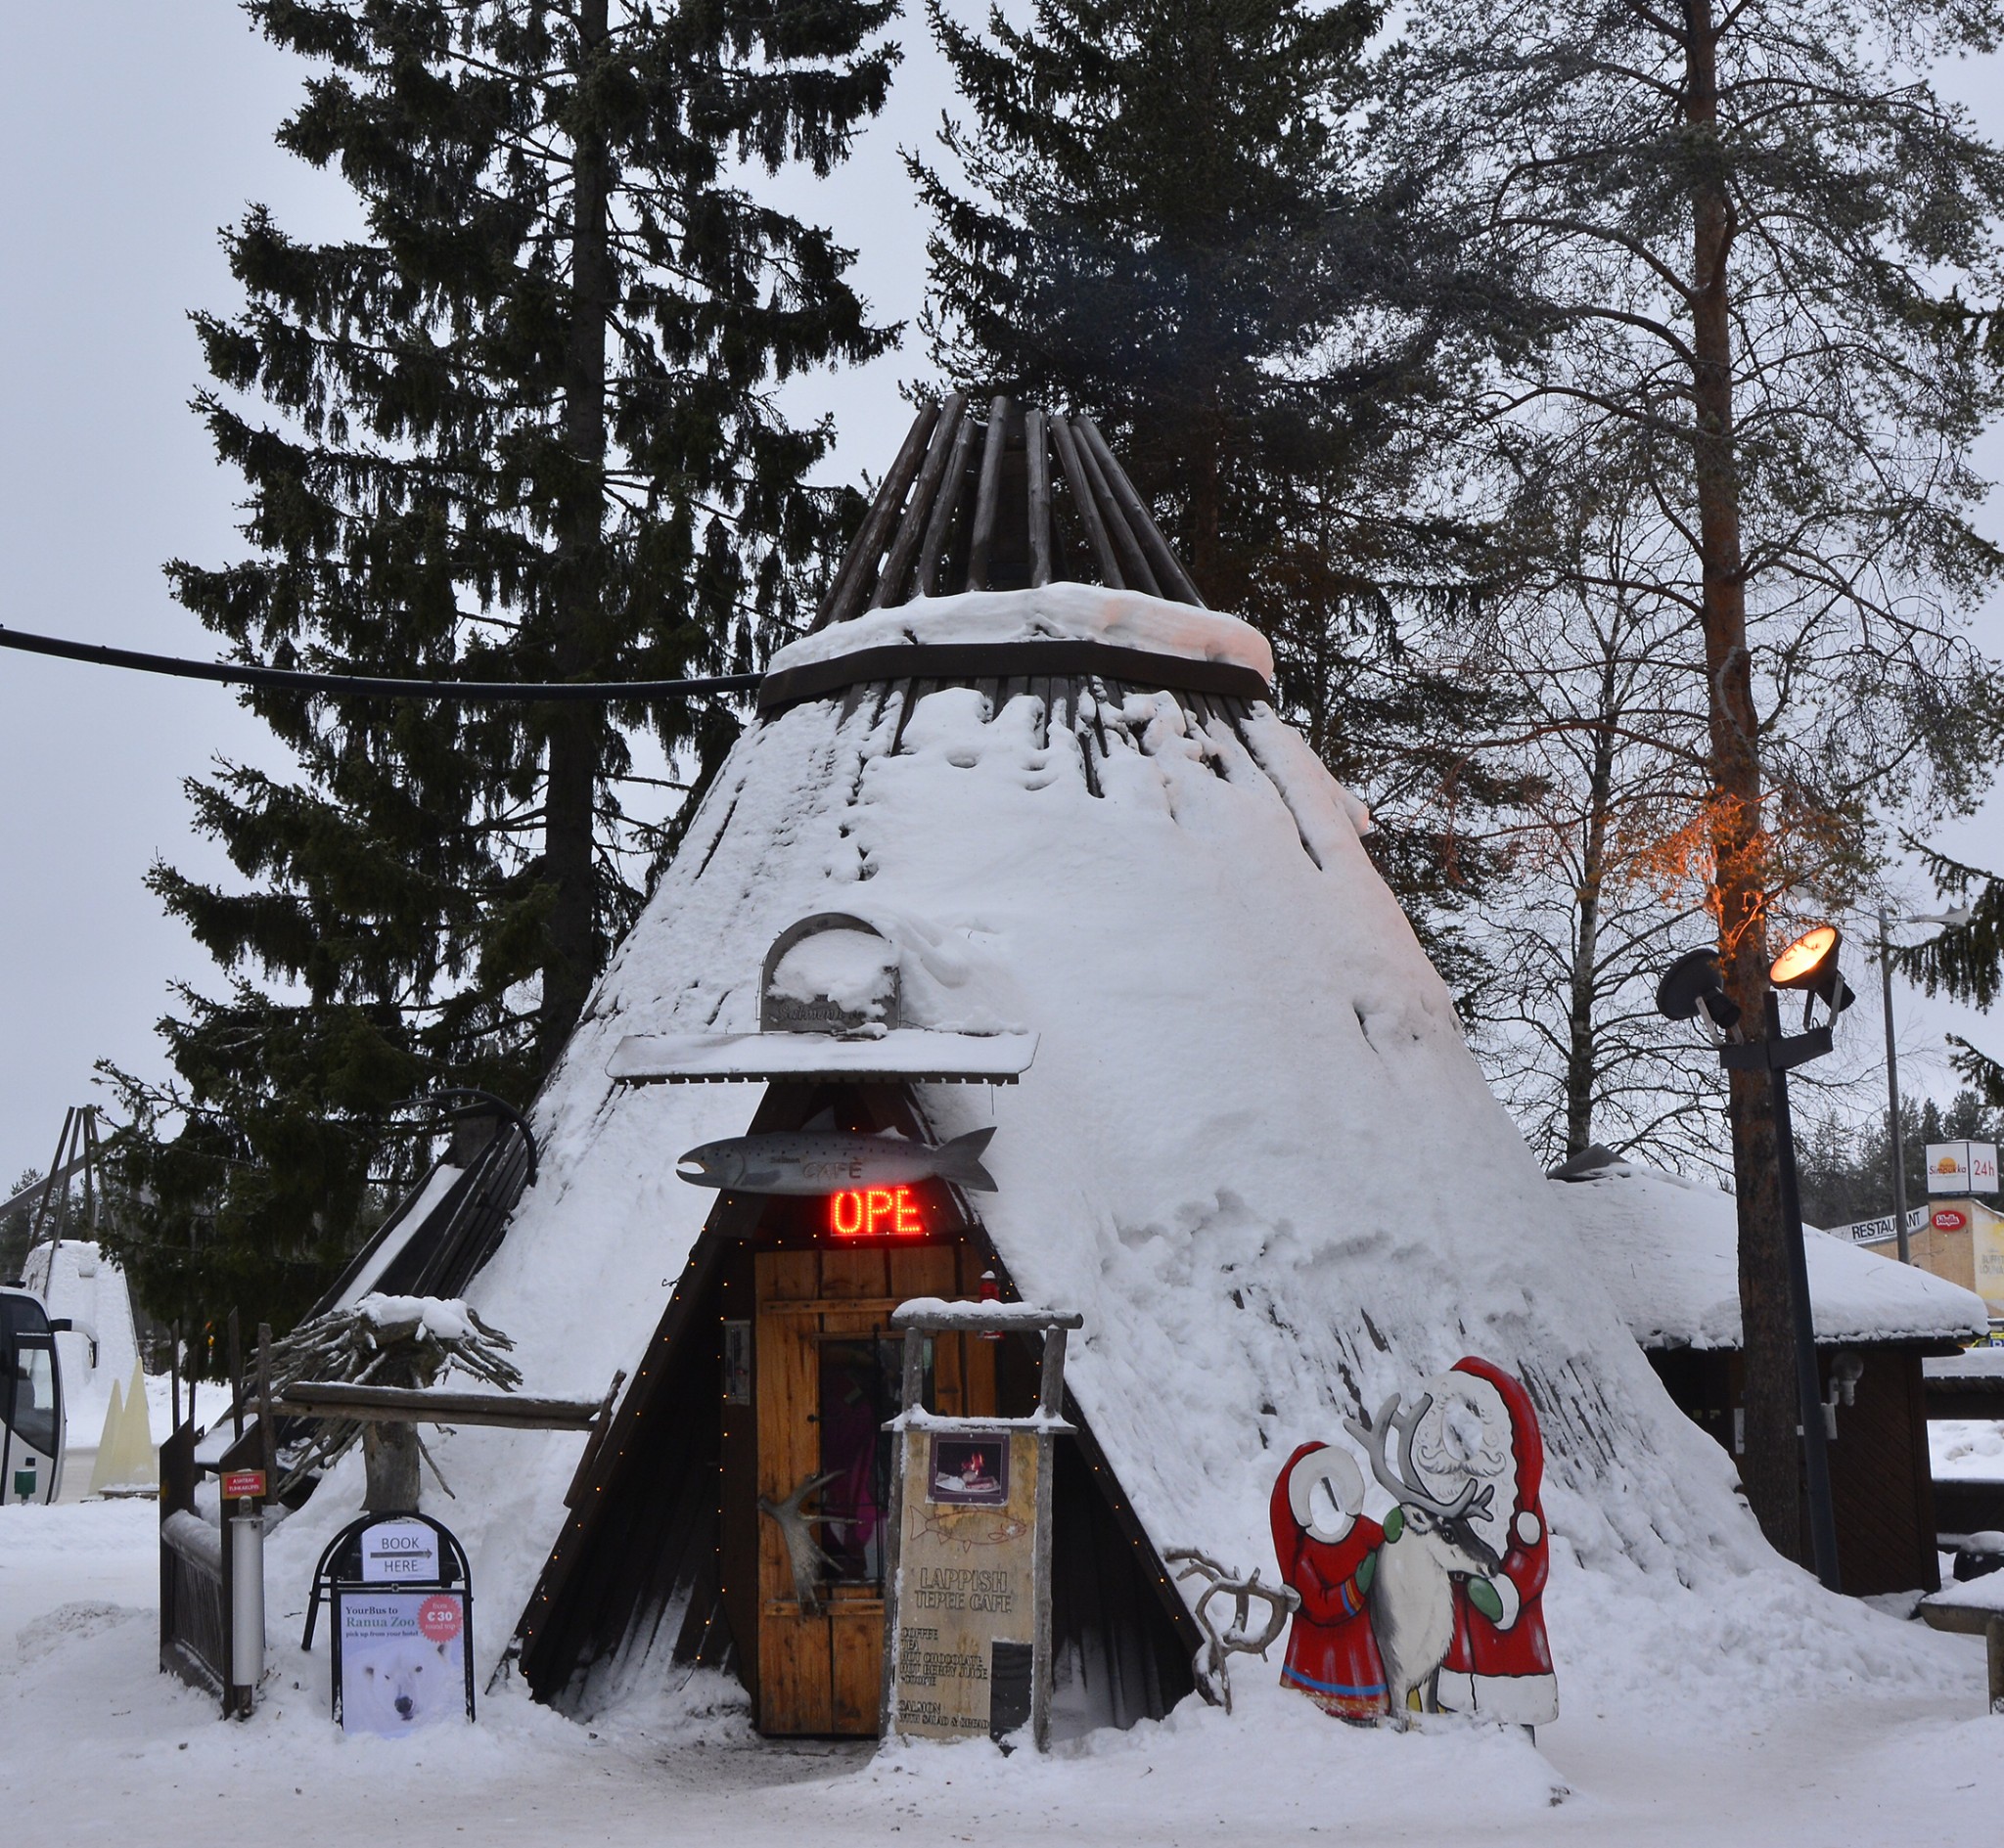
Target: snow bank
pixel 1879 1745
pixel 1667 1249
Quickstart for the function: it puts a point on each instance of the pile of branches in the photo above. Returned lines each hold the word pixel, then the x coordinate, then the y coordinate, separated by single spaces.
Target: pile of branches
pixel 407 1341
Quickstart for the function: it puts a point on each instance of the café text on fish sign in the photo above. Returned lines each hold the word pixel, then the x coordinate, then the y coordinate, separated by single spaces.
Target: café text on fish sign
pixel 875 1212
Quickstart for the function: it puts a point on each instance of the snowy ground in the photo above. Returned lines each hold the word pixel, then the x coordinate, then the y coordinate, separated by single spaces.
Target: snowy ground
pixel 1795 1728
pixel 1969 1450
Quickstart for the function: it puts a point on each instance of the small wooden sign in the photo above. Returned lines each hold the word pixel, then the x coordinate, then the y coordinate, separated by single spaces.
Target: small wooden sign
pixel 966 1582
pixel 968 1590
pixel 243 1484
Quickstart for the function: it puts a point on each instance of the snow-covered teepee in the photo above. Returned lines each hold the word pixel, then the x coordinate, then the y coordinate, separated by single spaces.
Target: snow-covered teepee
pixel 1124 917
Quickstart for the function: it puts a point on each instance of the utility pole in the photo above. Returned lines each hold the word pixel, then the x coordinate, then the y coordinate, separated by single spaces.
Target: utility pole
pixel 1897 1134
pixel 1954 918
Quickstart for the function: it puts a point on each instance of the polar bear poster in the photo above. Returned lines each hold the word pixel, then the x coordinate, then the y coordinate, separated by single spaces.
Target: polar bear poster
pixel 403 1662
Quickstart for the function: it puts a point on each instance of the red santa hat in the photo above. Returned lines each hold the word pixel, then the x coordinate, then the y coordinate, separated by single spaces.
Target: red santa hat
pixel 1524 1526
pixel 1328 1518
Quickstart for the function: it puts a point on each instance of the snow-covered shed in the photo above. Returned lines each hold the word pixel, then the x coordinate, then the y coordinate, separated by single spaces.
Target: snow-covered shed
pixel 1667 1249
pixel 1124 918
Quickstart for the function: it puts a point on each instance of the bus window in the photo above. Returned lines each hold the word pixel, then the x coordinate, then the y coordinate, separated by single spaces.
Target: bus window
pixel 33 1414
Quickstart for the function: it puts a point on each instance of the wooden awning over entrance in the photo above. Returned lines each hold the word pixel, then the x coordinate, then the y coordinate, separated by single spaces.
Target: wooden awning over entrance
pixel 903 1056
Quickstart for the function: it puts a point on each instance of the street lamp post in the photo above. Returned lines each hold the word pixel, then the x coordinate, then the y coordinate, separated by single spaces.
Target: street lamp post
pixel 1692 988
pixel 1898 1129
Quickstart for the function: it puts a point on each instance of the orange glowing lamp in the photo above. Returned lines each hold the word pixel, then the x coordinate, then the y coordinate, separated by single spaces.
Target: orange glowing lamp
pixel 875 1212
pixel 1807 961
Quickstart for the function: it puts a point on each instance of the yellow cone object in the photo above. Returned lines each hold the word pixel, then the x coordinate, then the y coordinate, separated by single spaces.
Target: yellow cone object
pixel 126 1457
pixel 101 1465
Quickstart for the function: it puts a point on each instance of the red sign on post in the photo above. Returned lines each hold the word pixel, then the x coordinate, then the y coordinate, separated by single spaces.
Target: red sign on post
pixel 240 1483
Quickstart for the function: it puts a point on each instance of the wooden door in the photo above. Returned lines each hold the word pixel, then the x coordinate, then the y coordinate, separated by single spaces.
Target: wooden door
pixel 821 1314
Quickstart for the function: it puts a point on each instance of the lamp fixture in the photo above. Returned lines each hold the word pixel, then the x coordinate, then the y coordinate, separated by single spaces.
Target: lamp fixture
pixel 1810 963
pixel 1692 985
pixel 1692 988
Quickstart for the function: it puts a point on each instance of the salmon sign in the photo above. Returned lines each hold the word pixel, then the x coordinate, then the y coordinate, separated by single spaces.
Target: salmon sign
pixel 804 1164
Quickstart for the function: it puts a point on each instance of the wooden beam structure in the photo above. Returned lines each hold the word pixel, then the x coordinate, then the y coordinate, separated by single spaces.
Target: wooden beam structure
pixel 411 1405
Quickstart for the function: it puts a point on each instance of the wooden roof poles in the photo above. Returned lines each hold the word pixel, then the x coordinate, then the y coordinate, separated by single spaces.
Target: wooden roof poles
pixel 937 524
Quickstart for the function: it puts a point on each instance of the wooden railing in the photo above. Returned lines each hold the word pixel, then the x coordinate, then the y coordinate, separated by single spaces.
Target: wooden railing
pixel 195 1622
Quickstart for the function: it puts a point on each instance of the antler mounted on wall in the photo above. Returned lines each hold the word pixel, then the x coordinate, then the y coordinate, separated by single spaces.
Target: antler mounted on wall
pixel 797 1528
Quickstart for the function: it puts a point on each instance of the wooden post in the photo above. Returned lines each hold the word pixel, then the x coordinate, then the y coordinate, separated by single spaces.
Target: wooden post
pixel 944 504
pixel 845 593
pixel 987 496
pixel 1994 1636
pixel 1082 499
pixel 1037 441
pixel 904 546
pixel 1051 1381
pixel 264 1419
pixel 236 1378
pixel 919 1699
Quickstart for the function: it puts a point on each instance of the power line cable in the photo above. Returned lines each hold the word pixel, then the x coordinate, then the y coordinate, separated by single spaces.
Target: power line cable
pixel 367 686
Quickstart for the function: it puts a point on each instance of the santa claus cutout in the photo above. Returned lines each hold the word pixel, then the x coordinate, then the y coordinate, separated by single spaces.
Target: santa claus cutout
pixel 1481 1426
pixel 1328 1550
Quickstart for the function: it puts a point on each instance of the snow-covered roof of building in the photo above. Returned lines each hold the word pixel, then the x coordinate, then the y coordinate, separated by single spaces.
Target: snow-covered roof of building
pixel 1667 1249
pixel 1254 1150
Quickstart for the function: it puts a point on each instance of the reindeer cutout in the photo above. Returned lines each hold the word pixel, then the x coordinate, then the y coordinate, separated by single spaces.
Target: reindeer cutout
pixel 1427 1543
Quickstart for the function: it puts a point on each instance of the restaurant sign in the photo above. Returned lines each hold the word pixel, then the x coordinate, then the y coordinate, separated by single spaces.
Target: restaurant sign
pixel 1962 1167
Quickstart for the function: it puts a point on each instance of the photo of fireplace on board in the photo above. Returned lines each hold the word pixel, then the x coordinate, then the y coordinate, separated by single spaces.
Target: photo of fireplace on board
pixel 970 1471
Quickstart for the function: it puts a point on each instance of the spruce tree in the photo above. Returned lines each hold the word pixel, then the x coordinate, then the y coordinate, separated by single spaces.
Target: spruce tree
pixel 523 428
pixel 1168 213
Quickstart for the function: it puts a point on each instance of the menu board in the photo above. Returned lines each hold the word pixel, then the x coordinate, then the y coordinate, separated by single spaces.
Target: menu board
pixel 965 1594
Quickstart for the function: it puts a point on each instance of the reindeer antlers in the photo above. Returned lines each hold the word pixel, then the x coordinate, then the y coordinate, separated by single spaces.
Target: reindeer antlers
pixel 797 1528
pixel 1404 1484
pixel 1213 1673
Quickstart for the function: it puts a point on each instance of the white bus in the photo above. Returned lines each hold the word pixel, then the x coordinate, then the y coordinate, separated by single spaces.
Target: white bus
pixel 30 1401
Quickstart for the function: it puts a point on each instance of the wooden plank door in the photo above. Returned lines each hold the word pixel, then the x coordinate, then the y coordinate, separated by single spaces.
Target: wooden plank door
pixel 821 1673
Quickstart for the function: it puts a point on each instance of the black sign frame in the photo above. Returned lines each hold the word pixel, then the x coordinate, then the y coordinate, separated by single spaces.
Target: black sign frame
pixel 339 1574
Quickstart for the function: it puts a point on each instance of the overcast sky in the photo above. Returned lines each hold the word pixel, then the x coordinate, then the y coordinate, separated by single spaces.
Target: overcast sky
pixel 130 131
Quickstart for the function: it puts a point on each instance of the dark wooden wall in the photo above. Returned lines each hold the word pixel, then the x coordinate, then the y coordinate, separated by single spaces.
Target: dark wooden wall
pixel 1881 1491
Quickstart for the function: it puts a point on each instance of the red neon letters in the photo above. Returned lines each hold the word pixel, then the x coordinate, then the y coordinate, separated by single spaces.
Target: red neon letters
pixel 875 1212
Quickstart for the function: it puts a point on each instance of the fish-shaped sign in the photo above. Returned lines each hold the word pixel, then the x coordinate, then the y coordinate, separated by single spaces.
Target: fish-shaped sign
pixel 806 1163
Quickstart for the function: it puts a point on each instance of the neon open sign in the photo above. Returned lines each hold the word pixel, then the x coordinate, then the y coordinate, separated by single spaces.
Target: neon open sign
pixel 875 1212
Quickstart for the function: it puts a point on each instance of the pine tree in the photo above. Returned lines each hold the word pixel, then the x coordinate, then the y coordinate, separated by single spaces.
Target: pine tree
pixel 1751 230
pixel 1162 212
pixel 525 429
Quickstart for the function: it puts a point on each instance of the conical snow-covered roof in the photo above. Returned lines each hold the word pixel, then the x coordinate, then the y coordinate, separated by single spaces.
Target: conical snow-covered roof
pixel 1253 1149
